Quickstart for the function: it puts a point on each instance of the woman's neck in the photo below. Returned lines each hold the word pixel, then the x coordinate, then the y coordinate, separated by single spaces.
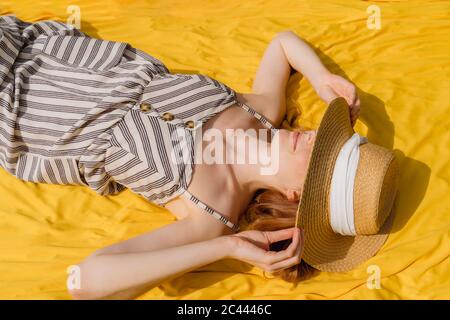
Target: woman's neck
pixel 249 176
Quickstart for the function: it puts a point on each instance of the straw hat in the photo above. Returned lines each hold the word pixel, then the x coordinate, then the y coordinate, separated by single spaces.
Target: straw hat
pixel 343 228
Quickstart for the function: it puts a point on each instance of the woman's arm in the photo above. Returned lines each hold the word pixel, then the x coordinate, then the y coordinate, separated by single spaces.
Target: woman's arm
pixel 285 51
pixel 288 50
pixel 303 58
pixel 195 227
pixel 327 85
pixel 268 95
pixel 126 275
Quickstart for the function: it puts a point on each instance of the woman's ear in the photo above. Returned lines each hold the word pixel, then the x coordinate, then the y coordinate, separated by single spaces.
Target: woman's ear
pixel 292 195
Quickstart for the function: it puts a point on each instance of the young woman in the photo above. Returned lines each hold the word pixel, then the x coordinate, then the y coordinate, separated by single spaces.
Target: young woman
pixel 78 110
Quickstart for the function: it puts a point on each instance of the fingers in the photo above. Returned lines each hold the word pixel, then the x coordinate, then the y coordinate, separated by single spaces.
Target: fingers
pixel 345 89
pixel 271 260
pixel 353 95
pixel 351 98
pixel 355 104
pixel 358 103
pixel 291 259
pixel 279 235
pixel 354 113
pixel 348 91
pixel 327 94
pixel 272 257
pixel 355 110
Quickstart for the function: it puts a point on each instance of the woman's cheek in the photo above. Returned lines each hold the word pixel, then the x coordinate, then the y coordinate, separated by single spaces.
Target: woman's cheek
pixel 303 162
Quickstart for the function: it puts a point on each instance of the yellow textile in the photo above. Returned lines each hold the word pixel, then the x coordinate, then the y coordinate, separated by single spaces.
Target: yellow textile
pixel 402 71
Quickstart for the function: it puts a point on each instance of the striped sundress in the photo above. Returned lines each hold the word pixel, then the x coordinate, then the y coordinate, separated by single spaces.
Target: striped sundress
pixel 84 111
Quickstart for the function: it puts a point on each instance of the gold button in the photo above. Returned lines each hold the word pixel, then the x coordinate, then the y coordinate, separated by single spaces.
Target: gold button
pixel 145 107
pixel 167 116
pixel 190 124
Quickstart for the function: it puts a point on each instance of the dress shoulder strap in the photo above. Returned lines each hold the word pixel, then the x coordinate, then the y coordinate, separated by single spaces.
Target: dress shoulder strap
pixel 211 211
pixel 205 207
pixel 261 118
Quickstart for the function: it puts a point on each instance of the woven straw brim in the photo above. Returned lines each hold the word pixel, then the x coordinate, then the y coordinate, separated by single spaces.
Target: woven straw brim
pixel 324 249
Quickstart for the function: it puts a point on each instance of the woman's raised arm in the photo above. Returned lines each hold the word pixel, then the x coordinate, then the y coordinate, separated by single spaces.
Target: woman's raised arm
pixel 286 51
pixel 327 85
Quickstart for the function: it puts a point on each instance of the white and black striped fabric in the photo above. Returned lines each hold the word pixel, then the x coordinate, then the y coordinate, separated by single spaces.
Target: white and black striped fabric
pixel 71 113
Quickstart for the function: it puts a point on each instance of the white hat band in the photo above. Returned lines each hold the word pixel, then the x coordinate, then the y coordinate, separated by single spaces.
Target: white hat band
pixel 341 193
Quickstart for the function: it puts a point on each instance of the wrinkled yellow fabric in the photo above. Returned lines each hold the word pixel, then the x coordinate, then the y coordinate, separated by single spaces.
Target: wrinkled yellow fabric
pixel 402 72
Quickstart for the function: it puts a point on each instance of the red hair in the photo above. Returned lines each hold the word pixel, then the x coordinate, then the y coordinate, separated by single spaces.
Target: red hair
pixel 269 211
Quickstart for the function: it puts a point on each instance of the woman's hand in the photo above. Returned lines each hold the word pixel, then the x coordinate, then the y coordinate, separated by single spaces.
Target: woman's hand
pixel 333 86
pixel 253 247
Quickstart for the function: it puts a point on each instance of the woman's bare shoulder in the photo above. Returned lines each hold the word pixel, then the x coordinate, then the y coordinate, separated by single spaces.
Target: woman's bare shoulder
pixel 254 100
pixel 261 104
pixel 182 209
